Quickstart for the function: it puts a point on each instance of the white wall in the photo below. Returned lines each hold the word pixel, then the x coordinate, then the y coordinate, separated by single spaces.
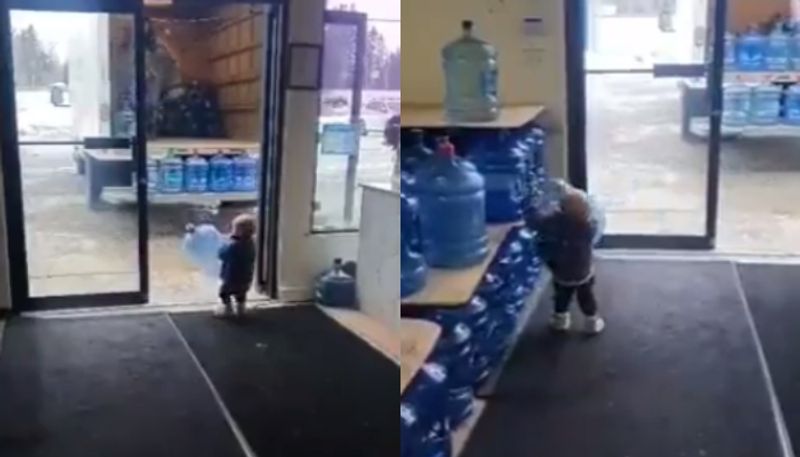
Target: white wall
pixel 532 69
pixel 302 255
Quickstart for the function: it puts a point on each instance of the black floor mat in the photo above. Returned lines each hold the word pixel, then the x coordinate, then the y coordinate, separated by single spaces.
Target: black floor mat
pixel 675 374
pixel 298 384
pixel 773 293
pixel 121 386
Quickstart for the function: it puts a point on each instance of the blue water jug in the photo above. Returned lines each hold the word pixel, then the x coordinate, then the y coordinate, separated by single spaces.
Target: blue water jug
pixel 196 174
pixel 454 350
pixel 152 176
pixel 470 68
pixel 792 106
pixel 502 165
pixel 171 175
pixel 751 51
pixel 765 108
pixel 452 210
pixel 412 265
pixel 336 288
pixel 778 50
pixel 245 170
pixel 795 51
pixel 220 174
pixel 730 51
pixel 736 105
pixel 201 244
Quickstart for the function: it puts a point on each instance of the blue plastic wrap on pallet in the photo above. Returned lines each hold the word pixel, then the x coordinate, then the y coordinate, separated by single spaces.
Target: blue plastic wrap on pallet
pixel 454 350
pixel 411 437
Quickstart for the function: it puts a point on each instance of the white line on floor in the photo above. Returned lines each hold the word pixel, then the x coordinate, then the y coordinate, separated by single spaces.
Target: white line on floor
pixel 694 256
pixel 248 451
pixel 783 434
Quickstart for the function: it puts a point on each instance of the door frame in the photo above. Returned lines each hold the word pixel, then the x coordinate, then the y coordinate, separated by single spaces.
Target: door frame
pixel 576 28
pixel 12 171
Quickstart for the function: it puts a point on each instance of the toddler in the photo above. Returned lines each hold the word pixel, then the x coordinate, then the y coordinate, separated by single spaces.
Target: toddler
pixel 238 257
pixel 567 245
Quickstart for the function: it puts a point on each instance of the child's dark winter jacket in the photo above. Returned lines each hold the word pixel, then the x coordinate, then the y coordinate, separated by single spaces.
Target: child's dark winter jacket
pixel 566 246
pixel 238 258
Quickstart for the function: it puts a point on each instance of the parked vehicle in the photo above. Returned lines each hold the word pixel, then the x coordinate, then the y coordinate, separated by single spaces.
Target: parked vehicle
pixel 59 94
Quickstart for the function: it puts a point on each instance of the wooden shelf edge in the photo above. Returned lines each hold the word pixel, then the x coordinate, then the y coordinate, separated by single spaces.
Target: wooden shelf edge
pixel 432 116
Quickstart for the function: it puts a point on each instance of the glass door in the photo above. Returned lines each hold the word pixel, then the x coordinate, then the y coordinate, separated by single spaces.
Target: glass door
pixel 645 117
pixel 75 176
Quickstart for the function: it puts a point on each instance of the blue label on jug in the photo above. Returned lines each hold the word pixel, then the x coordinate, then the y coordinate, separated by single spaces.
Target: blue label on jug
pixel 490 82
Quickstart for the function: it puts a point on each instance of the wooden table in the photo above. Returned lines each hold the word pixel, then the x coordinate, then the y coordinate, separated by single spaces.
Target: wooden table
pixel 453 288
pixel 417 340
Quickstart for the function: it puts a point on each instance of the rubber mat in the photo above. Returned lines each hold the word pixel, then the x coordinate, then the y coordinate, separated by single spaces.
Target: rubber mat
pixel 298 384
pixel 676 373
pixel 773 294
pixel 112 386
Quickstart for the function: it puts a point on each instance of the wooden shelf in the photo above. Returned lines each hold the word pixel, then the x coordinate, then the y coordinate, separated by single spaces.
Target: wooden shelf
pixel 453 288
pixel 427 116
pixel 417 340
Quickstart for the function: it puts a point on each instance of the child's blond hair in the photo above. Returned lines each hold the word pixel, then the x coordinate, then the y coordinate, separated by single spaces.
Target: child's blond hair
pixel 575 204
pixel 244 225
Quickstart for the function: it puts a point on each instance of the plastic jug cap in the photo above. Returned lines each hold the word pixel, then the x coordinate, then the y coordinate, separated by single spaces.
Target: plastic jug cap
pixel 466 25
pixel 447 149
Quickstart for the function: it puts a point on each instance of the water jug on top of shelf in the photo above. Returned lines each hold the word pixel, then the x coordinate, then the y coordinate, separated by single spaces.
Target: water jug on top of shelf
pixel 220 174
pixel 470 68
pixel 751 51
pixel 792 106
pixel 778 50
pixel 245 170
pixel 196 174
pixel 152 176
pixel 736 105
pixel 336 288
pixel 452 210
pixel 765 109
pixel 502 165
pixel 794 49
pixel 171 174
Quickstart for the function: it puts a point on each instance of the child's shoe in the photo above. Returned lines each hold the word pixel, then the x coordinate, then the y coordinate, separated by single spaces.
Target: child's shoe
pixel 560 322
pixel 594 325
pixel 241 310
pixel 222 311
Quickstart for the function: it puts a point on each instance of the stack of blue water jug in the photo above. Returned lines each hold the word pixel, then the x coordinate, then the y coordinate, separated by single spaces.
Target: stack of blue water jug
pixel 453 200
pixel 196 174
pixel 775 48
pixel 765 105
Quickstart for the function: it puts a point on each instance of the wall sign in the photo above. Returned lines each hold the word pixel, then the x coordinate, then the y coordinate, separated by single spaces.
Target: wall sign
pixel 305 66
pixel 340 139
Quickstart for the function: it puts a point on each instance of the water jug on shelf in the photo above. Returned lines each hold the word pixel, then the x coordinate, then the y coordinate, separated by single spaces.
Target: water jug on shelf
pixel 245 169
pixel 503 168
pixel 152 176
pixel 196 172
pixel 470 68
pixel 778 53
pixel 765 108
pixel 730 51
pixel 220 174
pixel 452 210
pixel 336 288
pixel 751 51
pixel 171 174
pixel 736 105
pixel 412 266
pixel 792 106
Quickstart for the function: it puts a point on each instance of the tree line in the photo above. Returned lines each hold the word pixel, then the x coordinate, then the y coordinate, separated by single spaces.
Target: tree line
pixel 35 65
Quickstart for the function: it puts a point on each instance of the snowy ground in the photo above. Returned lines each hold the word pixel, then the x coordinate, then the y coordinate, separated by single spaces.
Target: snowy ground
pixel 74 250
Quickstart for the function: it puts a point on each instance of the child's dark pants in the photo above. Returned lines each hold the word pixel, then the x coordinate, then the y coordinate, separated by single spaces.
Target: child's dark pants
pixel 585 292
pixel 226 293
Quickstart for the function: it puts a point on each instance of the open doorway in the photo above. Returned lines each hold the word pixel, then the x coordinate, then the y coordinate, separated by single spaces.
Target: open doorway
pixel 96 216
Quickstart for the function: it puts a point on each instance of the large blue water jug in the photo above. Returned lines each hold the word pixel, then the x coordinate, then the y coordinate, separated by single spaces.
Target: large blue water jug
pixel 171 175
pixel 412 265
pixel 795 50
pixel 201 244
pixel 765 108
pixel 196 174
pixel 751 51
pixel 152 176
pixel 502 164
pixel 736 105
pixel 220 174
pixel 452 201
pixel 336 288
pixel 778 53
pixel 470 68
pixel 792 106
pixel 245 170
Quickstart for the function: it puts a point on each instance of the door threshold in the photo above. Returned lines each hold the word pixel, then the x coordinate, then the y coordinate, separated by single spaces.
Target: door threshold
pixel 698 256
pixel 132 310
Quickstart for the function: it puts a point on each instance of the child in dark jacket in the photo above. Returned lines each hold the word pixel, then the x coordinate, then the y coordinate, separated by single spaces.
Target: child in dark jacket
pixel 567 237
pixel 238 257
